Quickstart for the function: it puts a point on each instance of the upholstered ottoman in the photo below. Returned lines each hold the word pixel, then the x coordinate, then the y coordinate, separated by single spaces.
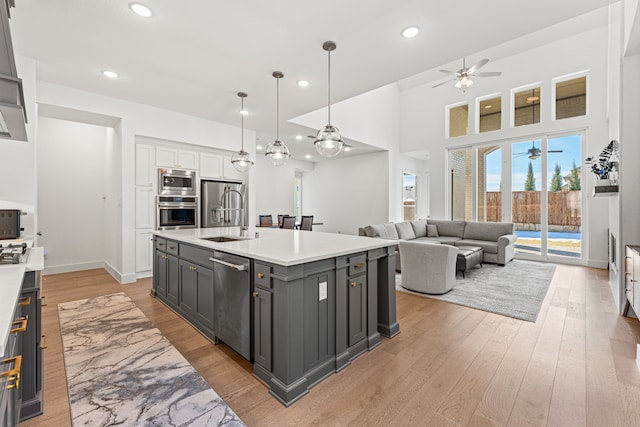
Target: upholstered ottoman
pixel 468 257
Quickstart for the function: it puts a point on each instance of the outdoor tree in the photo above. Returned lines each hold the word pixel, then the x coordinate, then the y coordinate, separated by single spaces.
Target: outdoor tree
pixel 574 181
pixel 530 182
pixel 556 180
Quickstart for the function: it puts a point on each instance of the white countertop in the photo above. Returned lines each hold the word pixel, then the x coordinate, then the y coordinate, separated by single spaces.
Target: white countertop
pixel 278 246
pixel 11 276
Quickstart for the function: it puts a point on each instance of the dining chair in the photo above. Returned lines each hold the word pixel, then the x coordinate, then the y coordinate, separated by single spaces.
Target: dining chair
pixel 288 222
pixel 280 217
pixel 265 220
pixel 307 222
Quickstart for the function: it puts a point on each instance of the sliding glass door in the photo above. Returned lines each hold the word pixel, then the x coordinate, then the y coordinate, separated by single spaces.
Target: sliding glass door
pixel 534 183
pixel 546 196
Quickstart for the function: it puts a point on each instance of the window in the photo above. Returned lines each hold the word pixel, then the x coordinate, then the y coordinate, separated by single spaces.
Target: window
pixel 526 106
pixel 489 114
pixel 458 118
pixel 409 196
pixel 571 98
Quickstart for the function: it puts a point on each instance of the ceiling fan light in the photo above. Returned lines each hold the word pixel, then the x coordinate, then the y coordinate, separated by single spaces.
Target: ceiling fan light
pixel 241 161
pixel 278 153
pixel 328 142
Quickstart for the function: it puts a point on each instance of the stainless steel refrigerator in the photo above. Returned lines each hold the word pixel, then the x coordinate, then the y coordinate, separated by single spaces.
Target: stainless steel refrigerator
pixel 223 204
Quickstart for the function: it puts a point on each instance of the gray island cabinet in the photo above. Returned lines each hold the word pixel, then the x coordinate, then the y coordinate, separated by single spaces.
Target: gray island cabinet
pixel 300 305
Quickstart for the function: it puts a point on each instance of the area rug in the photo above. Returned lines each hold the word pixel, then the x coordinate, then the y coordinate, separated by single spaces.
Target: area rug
pixel 123 371
pixel 515 290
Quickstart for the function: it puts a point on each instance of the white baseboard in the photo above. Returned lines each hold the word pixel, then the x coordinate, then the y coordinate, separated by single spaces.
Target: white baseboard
pixel 68 268
pixel 121 278
pixel 144 274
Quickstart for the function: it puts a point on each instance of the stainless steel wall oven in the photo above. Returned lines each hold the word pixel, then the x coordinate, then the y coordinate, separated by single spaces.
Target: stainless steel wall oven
pixel 174 212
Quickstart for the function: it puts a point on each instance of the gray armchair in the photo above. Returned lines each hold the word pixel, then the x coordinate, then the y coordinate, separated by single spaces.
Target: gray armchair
pixel 428 268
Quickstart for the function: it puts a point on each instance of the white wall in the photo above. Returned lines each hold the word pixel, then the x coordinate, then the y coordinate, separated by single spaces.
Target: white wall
pixel 274 187
pixel 72 184
pixel 423 117
pixel 372 117
pixel 138 119
pixel 347 193
pixel 113 203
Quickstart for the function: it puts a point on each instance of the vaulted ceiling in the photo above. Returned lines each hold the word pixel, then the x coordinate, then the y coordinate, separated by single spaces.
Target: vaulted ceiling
pixel 193 56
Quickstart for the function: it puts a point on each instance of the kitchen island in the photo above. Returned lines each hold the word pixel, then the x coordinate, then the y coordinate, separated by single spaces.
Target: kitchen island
pixel 300 305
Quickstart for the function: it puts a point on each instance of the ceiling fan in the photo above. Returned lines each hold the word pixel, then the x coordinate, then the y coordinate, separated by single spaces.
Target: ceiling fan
pixel 534 152
pixel 463 75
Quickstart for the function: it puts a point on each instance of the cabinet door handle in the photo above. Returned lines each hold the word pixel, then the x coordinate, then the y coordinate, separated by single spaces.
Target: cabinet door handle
pixel 254 293
pixel 192 268
pixel 260 275
pixel 17 362
pixel 43 301
pixel 172 247
pixel 43 342
pixel 24 301
pixel 360 265
pixel 354 284
pixel 23 325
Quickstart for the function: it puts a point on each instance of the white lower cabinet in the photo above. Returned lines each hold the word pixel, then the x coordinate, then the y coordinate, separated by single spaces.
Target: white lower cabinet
pixel 144 250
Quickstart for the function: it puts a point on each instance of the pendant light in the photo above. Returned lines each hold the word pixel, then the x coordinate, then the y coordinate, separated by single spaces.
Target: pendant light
pixel 241 160
pixel 277 152
pixel 328 140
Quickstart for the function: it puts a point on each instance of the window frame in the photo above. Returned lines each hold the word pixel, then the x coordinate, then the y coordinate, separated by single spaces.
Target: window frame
pixel 555 80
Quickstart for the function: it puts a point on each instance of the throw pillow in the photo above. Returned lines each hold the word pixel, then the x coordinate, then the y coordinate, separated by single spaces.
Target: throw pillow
pixel 419 227
pixel 405 230
pixel 432 230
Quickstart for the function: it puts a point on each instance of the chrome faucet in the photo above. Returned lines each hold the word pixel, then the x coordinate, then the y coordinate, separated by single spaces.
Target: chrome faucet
pixel 227 190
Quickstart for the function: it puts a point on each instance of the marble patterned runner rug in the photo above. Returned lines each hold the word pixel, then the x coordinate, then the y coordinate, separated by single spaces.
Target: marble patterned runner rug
pixel 123 371
pixel 515 290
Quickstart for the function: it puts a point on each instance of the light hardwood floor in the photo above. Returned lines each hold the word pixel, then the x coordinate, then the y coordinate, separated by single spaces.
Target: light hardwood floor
pixel 449 366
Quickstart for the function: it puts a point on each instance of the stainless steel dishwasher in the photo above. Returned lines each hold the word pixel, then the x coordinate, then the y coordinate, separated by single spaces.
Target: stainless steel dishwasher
pixel 232 302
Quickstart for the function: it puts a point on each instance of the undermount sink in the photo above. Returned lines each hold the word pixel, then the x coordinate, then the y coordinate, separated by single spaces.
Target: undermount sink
pixel 222 239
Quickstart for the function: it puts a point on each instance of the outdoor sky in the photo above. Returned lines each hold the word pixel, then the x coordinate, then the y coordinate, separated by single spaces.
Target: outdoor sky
pixel 571 147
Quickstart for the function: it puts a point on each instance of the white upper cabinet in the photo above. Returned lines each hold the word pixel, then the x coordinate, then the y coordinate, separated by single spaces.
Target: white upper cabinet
pixel 210 166
pixel 173 158
pixel 145 165
pixel 167 157
pixel 187 159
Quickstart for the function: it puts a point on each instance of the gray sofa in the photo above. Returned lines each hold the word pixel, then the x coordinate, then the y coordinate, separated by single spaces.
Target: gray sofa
pixel 497 239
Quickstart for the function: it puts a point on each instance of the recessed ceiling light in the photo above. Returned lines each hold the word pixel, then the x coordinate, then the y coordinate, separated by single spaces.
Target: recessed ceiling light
pixel 244 112
pixel 140 10
pixel 532 99
pixel 303 83
pixel 110 74
pixel 410 32
pixel 308 156
pixel 258 147
pixel 299 137
pixel 488 106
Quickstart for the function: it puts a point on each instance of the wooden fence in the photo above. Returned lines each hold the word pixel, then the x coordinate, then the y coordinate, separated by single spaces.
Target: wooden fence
pixel 565 208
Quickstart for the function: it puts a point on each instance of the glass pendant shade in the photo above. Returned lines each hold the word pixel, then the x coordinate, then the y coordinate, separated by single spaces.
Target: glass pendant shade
pixel 278 153
pixel 241 161
pixel 328 142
